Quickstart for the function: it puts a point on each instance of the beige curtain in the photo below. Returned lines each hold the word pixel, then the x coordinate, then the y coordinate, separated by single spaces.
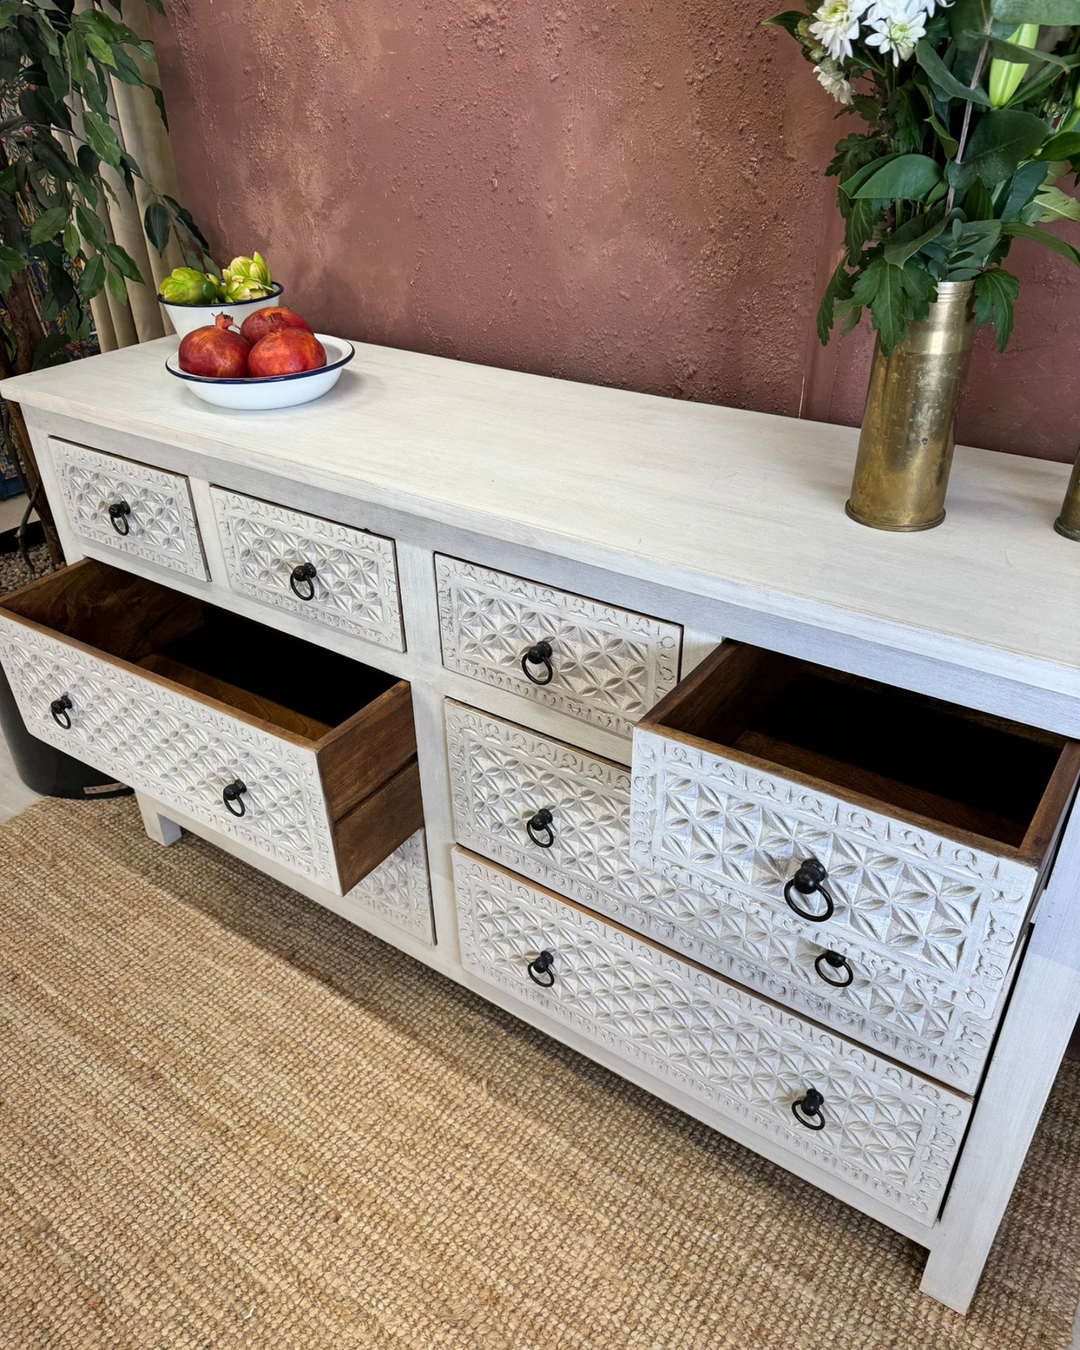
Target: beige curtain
pixel 143 136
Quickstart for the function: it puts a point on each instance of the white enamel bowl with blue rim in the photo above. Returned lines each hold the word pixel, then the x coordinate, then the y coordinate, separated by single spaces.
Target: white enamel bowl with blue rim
pixel 186 318
pixel 253 393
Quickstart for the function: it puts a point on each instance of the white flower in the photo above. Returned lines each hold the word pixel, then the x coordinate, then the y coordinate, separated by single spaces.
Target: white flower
pixel 836 25
pixel 897 26
pixel 831 78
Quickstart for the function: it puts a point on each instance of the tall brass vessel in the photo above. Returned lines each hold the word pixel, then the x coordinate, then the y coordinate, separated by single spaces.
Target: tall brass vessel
pixel 1068 523
pixel 909 427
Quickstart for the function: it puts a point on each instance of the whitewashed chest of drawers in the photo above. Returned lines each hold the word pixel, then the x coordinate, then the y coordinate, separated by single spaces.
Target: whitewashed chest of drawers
pixel 519 589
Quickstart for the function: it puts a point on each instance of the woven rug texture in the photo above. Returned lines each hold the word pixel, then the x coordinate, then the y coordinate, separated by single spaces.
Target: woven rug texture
pixel 231 1120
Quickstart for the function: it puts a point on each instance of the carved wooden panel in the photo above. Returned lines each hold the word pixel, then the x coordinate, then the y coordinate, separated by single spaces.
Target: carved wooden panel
pixel 355 586
pixel 888 1132
pixel 175 749
pixel 501 774
pixel 941 905
pixel 399 890
pixel 609 665
pixel 160 520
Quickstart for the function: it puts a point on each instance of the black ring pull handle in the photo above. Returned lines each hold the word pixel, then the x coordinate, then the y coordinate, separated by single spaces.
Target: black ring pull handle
pixel 810 878
pixel 538 655
pixel 120 517
pixel 807 1110
pixel 234 792
pixel 835 962
pixel 59 708
pixel 542 965
pixel 539 828
pixel 303 574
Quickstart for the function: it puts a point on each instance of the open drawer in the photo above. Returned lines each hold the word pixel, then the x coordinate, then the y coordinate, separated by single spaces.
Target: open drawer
pixel 300 753
pixel 914 826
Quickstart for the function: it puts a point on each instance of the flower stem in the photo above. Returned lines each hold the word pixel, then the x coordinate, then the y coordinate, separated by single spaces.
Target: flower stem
pixel 966 126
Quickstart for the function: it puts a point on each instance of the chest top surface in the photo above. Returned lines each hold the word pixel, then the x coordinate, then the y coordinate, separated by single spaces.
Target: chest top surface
pixel 736 506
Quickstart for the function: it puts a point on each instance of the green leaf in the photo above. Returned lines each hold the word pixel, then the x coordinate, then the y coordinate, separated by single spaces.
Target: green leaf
pixel 1016 12
pixel 186 219
pixel 159 99
pixel 1065 145
pixel 836 292
pixel 909 238
pixel 93 277
pixel 92 229
pixel 949 143
pixel 905 178
pixel 71 240
pixel 101 138
pixel 859 228
pixel 1052 204
pixel 1044 237
pixel 1001 141
pixel 1028 56
pixel 123 262
pixel 49 224
pixel 894 295
pixel 788 21
pixel 99 48
pixel 158 225
pixel 942 78
pixel 995 291
pixel 1023 185
pixel 117 287
pixel 851 184
pixel 12 260
pixel 854 152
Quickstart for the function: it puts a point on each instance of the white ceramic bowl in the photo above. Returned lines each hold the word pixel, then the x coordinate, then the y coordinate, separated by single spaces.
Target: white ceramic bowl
pixel 186 318
pixel 255 392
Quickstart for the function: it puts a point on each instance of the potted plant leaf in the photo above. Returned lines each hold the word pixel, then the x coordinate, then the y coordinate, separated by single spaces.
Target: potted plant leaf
pixel 971 137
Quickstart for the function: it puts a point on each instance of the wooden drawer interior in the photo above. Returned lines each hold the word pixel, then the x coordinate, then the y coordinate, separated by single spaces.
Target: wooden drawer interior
pixel 356 720
pixel 899 753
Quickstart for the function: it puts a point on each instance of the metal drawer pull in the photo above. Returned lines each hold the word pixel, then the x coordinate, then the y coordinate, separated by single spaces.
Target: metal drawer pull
pixel 810 878
pixel 303 573
pixel 234 792
pixel 835 962
pixel 538 655
pixel 119 517
pixel 59 709
pixel 541 822
pixel 544 964
pixel 807 1110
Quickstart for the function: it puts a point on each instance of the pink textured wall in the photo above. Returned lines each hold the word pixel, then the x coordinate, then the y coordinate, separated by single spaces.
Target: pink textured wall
pixel 627 194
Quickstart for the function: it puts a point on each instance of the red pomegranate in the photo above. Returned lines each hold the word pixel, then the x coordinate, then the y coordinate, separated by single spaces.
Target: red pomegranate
pixel 285 351
pixel 264 321
pixel 218 349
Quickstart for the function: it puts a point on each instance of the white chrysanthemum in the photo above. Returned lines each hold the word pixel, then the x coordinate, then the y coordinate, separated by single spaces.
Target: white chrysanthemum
pixel 896 26
pixel 836 25
pixel 831 78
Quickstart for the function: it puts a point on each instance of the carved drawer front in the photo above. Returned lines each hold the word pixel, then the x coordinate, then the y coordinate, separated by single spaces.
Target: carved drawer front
pixel 603 665
pixel 143 683
pixel 935 872
pixel 130 507
pixel 881 1128
pixel 561 817
pixel 399 891
pixel 332 574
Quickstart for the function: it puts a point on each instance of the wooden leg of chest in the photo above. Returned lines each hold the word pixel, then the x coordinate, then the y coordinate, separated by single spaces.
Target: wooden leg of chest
pixel 158 828
pixel 1044 1008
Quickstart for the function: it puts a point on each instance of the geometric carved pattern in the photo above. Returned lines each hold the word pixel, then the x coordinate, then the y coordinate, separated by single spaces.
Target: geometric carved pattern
pixel 501 774
pixel 161 522
pixel 610 665
pixel 399 890
pixel 940 905
pixel 176 750
pixel 355 582
pixel 888 1132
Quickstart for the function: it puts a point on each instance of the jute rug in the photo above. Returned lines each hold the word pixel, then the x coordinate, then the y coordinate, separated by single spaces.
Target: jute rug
pixel 229 1119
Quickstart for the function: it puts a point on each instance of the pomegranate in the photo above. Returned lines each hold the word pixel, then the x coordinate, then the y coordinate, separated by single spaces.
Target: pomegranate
pixel 218 349
pixel 263 321
pixel 286 351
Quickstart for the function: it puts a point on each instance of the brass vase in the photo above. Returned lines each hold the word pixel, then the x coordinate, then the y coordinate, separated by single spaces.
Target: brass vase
pixel 1068 523
pixel 909 427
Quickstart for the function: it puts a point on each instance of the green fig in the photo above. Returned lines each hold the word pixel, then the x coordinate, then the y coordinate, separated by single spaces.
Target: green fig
pixel 247 279
pixel 185 286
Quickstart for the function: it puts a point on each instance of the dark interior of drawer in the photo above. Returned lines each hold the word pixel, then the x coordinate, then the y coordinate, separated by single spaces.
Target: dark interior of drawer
pixel 281 679
pixel 977 773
